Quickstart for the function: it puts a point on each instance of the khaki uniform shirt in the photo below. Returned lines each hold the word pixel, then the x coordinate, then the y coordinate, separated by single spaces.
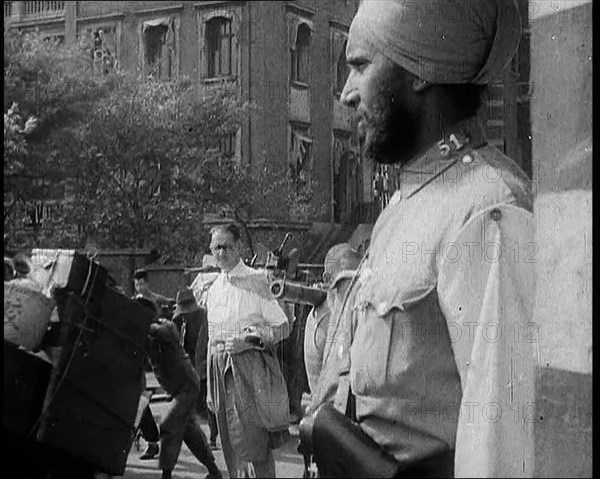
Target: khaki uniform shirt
pixel 315 334
pixel 435 334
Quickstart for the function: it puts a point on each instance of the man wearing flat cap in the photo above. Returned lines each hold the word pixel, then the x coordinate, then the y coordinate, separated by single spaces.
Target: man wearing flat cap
pixel 431 352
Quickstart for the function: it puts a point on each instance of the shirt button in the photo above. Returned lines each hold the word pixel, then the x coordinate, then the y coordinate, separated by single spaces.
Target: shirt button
pixel 496 214
pixel 467 159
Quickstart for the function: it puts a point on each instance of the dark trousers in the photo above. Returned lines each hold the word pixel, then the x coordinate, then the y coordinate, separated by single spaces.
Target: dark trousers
pixel 148 426
pixel 182 424
pixel 203 410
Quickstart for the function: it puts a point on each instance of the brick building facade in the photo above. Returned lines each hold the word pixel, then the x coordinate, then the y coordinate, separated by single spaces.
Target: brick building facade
pixel 288 59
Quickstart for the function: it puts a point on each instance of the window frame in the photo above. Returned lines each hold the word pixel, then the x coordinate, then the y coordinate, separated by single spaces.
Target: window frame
pixel 175 24
pixel 217 23
pixel 296 63
pixel 338 41
pixel 305 130
pixel 203 17
pixel 234 138
pixel 296 20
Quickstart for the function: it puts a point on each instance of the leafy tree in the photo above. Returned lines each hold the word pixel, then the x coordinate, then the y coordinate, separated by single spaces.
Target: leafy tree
pixel 51 83
pixel 137 161
pixel 15 153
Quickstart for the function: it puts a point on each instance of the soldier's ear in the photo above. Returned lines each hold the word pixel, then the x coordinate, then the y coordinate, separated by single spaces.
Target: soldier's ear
pixel 420 85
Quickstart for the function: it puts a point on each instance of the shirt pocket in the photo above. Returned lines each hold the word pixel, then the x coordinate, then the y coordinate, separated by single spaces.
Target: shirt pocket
pixel 385 344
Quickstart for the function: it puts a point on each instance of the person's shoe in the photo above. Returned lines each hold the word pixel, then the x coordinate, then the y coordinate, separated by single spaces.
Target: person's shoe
pixel 151 451
pixel 213 445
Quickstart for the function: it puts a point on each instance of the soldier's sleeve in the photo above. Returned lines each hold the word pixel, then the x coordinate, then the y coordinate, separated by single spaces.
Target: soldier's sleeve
pixel 486 292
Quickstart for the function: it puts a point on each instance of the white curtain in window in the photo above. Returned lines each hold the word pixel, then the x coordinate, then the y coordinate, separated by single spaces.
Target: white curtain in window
pixel 168 66
pixel 301 146
pixel 338 40
pixel 166 21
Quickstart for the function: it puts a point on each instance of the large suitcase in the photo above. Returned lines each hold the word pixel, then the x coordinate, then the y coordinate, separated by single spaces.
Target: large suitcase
pixel 26 379
pixel 92 399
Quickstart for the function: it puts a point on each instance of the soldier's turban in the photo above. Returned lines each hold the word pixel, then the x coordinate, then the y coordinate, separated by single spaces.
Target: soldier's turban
pixel 443 41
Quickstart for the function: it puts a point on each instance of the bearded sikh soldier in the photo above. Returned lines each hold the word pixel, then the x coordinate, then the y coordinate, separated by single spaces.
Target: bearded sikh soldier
pixel 428 371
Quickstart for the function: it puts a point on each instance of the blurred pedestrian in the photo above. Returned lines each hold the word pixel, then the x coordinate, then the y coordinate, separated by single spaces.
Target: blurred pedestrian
pixel 148 427
pixel 181 423
pixel 141 284
pixel 192 323
pixel 338 268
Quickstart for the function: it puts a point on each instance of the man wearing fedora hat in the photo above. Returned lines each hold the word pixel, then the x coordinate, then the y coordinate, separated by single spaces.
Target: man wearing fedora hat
pixel 187 317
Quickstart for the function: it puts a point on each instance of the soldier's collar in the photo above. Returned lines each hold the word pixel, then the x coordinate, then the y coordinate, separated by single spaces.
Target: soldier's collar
pixel 346 274
pixel 457 142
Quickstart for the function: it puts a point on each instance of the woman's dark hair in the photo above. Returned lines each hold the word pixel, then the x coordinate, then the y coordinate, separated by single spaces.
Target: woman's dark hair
pixel 231 228
pixel 465 97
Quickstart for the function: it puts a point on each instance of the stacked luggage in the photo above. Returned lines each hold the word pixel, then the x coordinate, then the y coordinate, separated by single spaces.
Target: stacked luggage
pixel 78 412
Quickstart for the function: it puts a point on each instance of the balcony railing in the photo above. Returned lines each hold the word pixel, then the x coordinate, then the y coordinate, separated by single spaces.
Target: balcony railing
pixel 44 9
pixel 9 10
pixel 21 11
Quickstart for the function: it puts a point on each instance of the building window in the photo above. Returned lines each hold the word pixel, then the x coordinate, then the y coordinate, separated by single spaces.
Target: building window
pixel 40 212
pixel 219 45
pixel 159 48
pixel 346 176
pixel 341 70
pixel 8 9
pixel 300 153
pixel 492 114
pixel 155 41
pixel 227 145
pixel 300 58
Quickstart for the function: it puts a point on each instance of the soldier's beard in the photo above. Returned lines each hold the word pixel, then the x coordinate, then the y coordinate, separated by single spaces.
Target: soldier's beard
pixel 391 135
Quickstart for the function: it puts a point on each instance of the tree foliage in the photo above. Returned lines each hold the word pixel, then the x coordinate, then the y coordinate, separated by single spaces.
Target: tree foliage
pixel 136 162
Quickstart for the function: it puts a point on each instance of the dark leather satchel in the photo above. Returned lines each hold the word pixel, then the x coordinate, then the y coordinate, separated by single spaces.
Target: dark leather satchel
pixel 340 448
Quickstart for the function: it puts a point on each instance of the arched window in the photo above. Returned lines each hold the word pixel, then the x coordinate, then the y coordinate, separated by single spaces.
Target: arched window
pixel 219 45
pixel 155 39
pixel 300 55
pixel 342 70
pixel 160 54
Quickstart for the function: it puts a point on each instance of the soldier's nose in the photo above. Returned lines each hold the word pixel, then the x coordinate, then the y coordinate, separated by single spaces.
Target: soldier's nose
pixel 350 96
